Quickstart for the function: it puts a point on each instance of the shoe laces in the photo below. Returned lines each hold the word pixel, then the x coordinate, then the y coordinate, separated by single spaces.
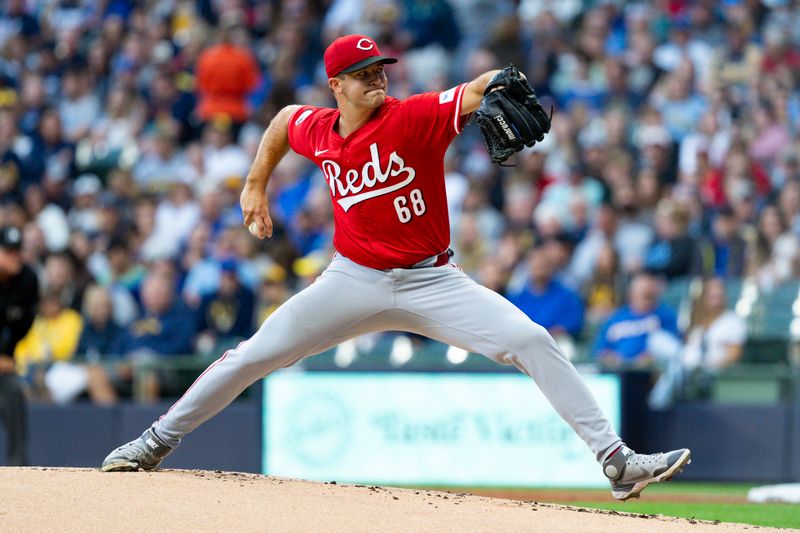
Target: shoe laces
pixel 644 460
pixel 133 445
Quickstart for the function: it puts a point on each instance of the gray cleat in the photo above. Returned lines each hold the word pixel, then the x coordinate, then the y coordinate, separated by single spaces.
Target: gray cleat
pixel 144 453
pixel 630 472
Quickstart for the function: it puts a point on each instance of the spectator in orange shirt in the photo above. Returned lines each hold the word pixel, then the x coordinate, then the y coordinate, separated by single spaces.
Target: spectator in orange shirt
pixel 226 73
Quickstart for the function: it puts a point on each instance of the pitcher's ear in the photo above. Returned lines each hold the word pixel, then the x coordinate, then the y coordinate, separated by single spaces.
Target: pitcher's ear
pixel 335 84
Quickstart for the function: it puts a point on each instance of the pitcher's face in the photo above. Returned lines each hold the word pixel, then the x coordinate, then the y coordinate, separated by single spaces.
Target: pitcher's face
pixel 363 88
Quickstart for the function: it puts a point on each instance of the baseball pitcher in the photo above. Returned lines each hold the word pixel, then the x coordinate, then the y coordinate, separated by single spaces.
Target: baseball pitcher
pixel 382 159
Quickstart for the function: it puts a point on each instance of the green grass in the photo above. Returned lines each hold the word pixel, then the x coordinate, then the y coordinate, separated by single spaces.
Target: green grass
pixel 714 501
pixel 696 489
pixel 759 514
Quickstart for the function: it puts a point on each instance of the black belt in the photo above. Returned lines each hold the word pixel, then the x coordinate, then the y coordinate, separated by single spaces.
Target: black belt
pixel 435 260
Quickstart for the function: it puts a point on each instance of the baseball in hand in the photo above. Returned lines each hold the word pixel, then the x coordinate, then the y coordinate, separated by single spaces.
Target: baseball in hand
pixel 253 227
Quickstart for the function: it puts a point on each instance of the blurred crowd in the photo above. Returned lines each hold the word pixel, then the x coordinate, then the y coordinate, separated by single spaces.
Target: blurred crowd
pixel 127 128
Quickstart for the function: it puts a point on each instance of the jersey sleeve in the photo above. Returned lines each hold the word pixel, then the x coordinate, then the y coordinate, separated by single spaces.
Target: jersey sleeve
pixel 436 114
pixel 300 130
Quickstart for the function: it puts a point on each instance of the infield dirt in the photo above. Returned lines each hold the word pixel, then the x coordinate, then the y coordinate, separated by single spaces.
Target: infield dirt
pixel 86 500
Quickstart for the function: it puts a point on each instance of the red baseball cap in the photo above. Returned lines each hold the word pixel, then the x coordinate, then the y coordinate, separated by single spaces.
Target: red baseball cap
pixel 351 53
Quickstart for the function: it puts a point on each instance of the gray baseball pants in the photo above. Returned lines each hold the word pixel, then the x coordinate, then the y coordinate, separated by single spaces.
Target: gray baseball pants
pixel 441 303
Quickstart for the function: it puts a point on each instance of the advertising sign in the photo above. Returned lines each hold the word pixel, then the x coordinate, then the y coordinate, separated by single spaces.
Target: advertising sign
pixel 434 429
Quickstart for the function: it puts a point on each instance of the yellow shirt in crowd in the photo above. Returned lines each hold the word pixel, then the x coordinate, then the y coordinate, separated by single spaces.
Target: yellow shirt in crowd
pixel 49 339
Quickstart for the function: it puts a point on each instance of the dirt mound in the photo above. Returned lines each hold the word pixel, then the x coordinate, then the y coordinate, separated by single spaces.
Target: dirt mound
pixel 86 500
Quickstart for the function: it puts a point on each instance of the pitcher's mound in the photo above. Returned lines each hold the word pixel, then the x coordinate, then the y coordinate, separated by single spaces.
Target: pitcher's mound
pixel 86 500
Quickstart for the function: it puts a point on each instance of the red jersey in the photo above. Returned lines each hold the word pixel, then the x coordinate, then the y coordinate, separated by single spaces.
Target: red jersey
pixel 387 178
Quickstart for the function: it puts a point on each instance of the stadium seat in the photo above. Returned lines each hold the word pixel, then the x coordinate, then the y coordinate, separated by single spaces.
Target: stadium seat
pixel 773 312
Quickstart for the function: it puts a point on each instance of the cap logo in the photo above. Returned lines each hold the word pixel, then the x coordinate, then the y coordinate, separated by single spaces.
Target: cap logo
pixel 365 44
pixel 352 52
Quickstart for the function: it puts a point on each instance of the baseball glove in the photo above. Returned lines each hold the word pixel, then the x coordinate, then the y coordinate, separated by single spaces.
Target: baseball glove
pixel 510 116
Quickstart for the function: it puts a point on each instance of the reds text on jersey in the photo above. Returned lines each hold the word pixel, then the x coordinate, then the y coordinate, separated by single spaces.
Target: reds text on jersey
pixel 386 179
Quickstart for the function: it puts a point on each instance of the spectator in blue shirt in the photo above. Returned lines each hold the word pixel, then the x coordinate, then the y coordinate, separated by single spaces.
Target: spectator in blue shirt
pixel 98 344
pixel 100 337
pixel 670 254
pixel 166 328
pixel 622 341
pixel 546 300
pixel 723 254
pixel 225 317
